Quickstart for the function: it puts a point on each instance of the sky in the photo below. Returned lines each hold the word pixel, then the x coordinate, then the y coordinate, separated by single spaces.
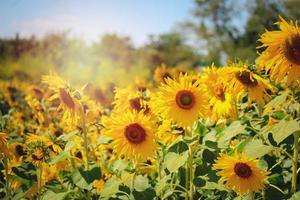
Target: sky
pixel 89 19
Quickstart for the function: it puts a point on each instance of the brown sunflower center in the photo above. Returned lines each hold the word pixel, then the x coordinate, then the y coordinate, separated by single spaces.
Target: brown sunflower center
pixel 66 98
pixel 38 154
pixel 134 133
pixel 219 92
pixel 246 79
pixel 185 99
pixel 292 49
pixel 242 170
pixel 135 104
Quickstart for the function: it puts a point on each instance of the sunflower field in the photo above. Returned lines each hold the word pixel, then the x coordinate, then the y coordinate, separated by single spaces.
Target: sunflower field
pixel 217 132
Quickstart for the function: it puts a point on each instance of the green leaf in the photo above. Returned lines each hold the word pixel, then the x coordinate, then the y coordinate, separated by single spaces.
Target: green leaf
pixel 148 194
pixel 256 149
pixel 296 196
pixel 84 179
pixel 111 187
pixel 61 156
pixel 199 182
pixel 161 185
pixel 141 183
pixel 49 194
pixel 173 161
pixel 179 147
pixel 277 101
pixel 208 156
pixel 284 129
pixel 276 179
pixel 231 131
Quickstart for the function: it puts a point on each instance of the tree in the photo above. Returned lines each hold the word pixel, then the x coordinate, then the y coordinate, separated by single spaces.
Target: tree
pixel 229 29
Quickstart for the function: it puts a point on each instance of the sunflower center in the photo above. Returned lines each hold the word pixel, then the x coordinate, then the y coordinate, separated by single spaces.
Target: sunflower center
pixel 135 104
pixel 38 154
pixel 185 99
pixel 292 49
pixel 219 92
pixel 246 79
pixel 66 99
pixel 242 170
pixel 134 133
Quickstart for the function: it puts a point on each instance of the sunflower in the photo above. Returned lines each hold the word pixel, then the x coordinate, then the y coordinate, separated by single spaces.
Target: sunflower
pixel 3 145
pixel 132 134
pixel 66 95
pixel 221 102
pixel 240 173
pixel 162 73
pixel 167 132
pixel 241 80
pixel 129 99
pixel 181 101
pixel 39 149
pixel 282 52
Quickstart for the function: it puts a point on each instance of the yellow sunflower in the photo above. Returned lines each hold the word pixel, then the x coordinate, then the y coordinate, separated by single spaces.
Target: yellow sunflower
pixel 67 96
pixel 240 173
pixel 221 102
pixel 282 54
pixel 240 80
pixel 162 73
pixel 40 148
pixel 182 100
pixel 168 132
pixel 3 145
pixel 129 99
pixel 132 134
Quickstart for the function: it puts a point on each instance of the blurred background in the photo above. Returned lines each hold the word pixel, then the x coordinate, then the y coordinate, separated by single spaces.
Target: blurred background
pixel 116 41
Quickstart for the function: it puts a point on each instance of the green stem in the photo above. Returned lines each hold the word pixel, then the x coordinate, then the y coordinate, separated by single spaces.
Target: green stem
pixel 187 181
pixel 7 178
pixel 132 182
pixel 40 177
pixel 295 163
pixel 84 131
pixel 190 163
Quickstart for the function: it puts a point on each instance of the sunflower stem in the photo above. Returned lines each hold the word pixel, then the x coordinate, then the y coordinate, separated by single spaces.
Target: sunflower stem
pixel 295 162
pixel 7 178
pixel 40 175
pixel 191 173
pixel 84 131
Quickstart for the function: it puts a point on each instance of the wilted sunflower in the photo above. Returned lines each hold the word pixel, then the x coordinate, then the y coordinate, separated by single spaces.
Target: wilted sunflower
pixel 62 91
pixel 181 101
pixel 282 54
pixel 241 80
pixel 132 134
pixel 240 173
pixel 221 102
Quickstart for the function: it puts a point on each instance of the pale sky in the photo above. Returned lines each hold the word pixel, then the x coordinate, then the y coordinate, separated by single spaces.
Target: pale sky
pixel 92 18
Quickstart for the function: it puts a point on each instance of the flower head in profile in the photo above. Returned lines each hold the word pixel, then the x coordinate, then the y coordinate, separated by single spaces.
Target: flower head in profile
pixel 69 103
pixel 281 57
pixel 221 103
pixel 240 80
pixel 240 173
